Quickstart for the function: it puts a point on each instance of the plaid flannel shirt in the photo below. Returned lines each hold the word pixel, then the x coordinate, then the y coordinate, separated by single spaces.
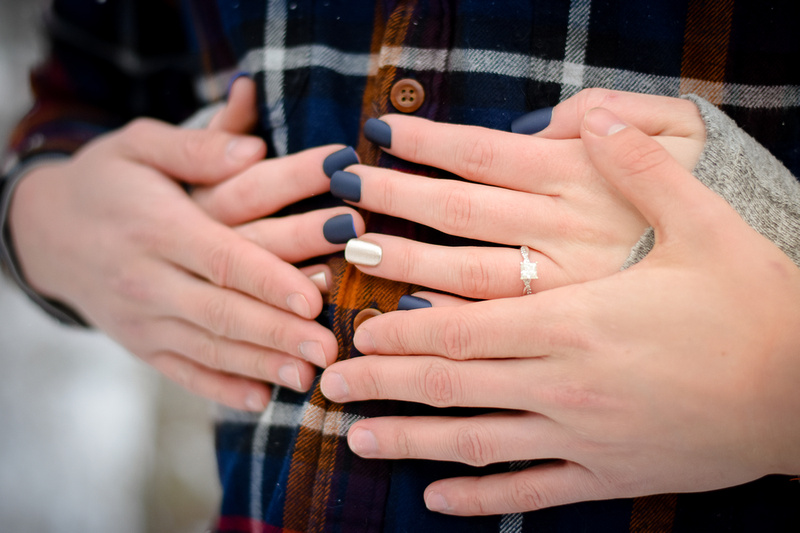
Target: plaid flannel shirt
pixel 323 68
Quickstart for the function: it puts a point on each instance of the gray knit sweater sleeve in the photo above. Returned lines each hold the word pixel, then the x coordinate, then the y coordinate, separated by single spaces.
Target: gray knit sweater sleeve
pixel 750 178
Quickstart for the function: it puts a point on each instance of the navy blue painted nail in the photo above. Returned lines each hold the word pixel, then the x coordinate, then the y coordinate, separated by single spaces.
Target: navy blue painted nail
pixel 346 185
pixel 339 160
pixel 379 132
pixel 241 74
pixel 339 229
pixel 533 122
pixel 408 303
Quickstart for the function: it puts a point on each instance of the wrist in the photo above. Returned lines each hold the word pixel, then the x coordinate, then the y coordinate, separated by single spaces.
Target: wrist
pixel 13 182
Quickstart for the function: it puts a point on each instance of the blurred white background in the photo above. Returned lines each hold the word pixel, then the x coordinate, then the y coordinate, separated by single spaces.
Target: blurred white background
pixel 91 439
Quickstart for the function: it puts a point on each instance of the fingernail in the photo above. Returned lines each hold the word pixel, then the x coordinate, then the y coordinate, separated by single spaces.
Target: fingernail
pixel 312 352
pixel 602 122
pixel 240 74
pixel 320 279
pixel 363 341
pixel 358 252
pixel 298 304
pixel 290 376
pixel 436 502
pixel 378 132
pixel 533 122
pixel 408 302
pixel 339 229
pixel 254 401
pixel 362 442
pixel 333 386
pixel 244 148
pixel 346 185
pixel 339 160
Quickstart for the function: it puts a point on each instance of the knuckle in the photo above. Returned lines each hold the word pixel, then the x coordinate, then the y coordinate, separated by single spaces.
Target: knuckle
pixel 475 278
pixel 403 443
pixel 458 209
pixel 132 286
pixel 470 448
pixel 215 314
pixel 389 194
pixel 527 495
pixel 456 338
pixel 474 157
pixel 439 384
pixel 415 141
pixel 590 98
pixel 220 263
pixel 206 351
pixel 641 158
pixel 369 383
pixel 408 264
pixel 196 144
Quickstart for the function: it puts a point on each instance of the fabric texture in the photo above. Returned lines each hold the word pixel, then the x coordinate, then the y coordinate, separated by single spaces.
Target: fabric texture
pixel 322 69
pixel 749 178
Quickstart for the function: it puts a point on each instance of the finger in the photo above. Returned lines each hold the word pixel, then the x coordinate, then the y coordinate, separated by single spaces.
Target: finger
pixel 233 357
pixel 437 299
pixel 321 276
pixel 476 441
pixel 239 114
pixel 470 271
pixel 453 207
pixel 267 187
pixel 654 115
pixel 241 318
pixel 193 156
pixel 537 487
pixel 439 382
pixel 233 391
pixel 488 329
pixel 218 254
pixel 666 194
pixel 300 237
pixel 504 159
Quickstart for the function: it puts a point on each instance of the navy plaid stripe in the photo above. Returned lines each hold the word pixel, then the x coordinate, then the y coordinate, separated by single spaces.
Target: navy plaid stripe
pixel 481 63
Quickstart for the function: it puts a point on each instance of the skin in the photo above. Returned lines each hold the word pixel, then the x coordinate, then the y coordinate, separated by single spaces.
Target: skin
pixel 204 295
pixel 539 191
pixel 676 375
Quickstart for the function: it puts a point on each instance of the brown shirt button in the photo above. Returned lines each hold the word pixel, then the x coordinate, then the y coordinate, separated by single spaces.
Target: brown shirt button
pixel 363 316
pixel 407 95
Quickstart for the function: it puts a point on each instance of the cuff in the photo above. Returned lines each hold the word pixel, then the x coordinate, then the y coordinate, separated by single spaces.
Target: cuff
pixel 8 257
pixel 752 180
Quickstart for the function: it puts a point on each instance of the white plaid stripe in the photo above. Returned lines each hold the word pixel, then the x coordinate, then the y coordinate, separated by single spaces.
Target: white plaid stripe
pixel 522 66
pixel 575 51
pixel 274 67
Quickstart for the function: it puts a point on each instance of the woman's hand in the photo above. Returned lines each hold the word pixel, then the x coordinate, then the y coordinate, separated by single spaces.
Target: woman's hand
pixel 540 191
pixel 677 375
pixel 111 233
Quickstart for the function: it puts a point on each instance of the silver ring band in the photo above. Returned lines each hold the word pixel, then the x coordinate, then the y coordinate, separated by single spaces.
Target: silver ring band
pixel 527 270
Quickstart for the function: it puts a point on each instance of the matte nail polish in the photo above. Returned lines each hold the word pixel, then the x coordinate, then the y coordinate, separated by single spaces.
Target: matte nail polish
pixel 408 302
pixel 339 229
pixel 346 185
pixel 378 132
pixel 240 74
pixel 339 160
pixel 363 253
pixel 533 122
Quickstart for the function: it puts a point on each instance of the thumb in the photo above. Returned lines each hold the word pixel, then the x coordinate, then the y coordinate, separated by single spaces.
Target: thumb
pixel 193 156
pixel 239 114
pixel 665 193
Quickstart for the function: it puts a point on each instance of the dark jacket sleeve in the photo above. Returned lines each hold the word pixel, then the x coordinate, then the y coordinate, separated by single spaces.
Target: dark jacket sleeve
pixel 107 63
